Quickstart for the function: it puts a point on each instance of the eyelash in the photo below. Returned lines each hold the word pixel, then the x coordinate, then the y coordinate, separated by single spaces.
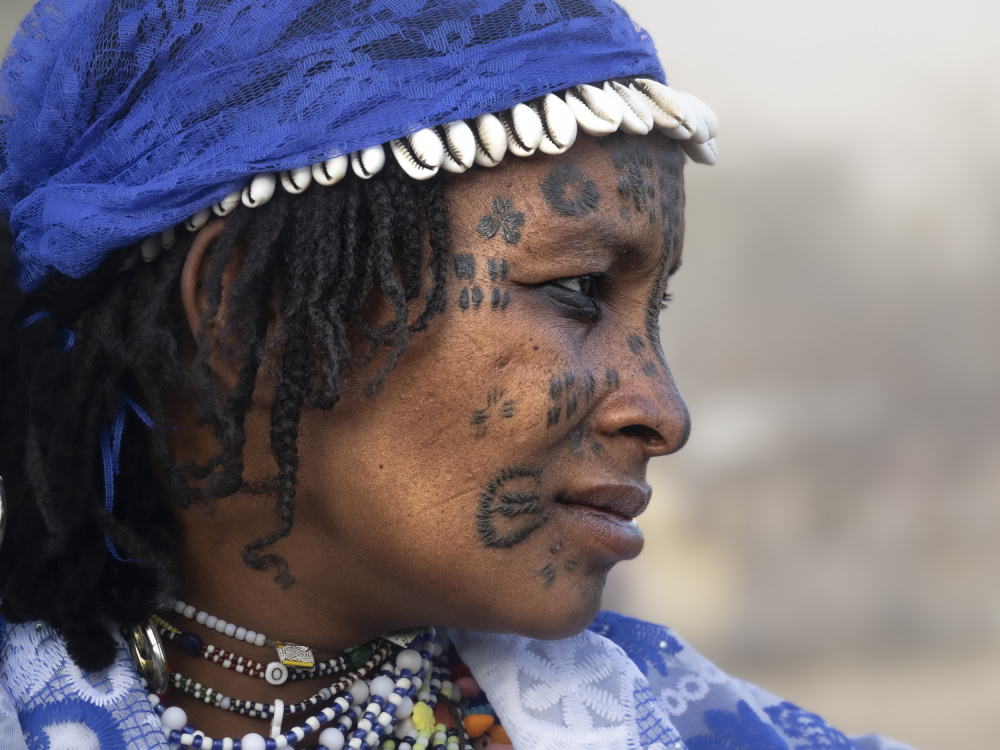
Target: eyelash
pixel 585 285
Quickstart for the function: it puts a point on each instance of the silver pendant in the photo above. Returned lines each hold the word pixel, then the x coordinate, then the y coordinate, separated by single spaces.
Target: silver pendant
pixel 146 650
pixel 402 637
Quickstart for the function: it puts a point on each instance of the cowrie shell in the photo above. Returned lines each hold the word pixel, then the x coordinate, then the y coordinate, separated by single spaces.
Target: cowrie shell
pixel 198 220
pixel 595 111
pixel 491 140
pixel 703 153
pixel 637 119
pixel 151 249
pixel 295 181
pixel 227 205
pixel 420 154
pixel 331 171
pixel 704 124
pixel 459 144
pixel 130 261
pixel 559 128
pixel 260 190
pixel 667 110
pixel 168 238
pixel 368 161
pixel 523 128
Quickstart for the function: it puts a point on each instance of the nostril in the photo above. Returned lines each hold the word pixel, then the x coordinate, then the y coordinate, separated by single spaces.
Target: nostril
pixel 645 434
pixel 658 443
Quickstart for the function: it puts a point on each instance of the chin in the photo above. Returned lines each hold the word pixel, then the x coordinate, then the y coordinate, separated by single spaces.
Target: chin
pixel 562 611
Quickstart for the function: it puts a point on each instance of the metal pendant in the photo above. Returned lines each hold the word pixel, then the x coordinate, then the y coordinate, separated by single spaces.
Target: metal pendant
pixel 294 655
pixel 146 650
pixel 403 637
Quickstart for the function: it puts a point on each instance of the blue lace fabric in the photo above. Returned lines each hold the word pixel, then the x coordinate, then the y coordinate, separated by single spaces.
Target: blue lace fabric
pixel 121 118
pixel 621 685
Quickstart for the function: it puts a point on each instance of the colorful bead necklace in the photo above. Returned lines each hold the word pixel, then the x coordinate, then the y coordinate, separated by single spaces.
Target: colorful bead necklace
pixel 289 654
pixel 262 710
pixel 400 707
pixel 275 672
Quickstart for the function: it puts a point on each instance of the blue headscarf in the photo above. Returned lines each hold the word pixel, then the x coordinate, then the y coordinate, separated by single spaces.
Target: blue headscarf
pixel 121 118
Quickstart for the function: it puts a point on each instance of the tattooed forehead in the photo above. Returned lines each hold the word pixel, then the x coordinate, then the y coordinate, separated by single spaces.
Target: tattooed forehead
pixel 615 197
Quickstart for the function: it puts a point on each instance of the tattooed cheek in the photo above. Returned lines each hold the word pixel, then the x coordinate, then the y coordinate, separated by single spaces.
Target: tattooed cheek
pixel 566 394
pixel 581 443
pixel 637 345
pixel 496 409
pixel 510 508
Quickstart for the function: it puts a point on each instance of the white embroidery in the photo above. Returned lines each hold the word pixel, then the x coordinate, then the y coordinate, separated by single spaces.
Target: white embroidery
pixel 574 694
pixel 72 735
pixel 104 688
pixel 38 647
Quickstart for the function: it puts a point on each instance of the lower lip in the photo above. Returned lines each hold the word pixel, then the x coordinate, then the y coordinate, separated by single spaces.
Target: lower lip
pixel 620 536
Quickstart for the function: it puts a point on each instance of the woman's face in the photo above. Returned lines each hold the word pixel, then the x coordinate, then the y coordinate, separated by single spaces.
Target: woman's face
pixel 493 481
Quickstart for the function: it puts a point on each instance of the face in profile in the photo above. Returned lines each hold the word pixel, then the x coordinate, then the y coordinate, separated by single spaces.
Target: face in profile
pixel 493 480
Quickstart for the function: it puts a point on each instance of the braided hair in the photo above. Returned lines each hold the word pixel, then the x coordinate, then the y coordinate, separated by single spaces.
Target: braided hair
pixel 322 255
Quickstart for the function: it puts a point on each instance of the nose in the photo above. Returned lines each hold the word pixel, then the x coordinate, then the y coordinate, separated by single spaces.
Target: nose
pixel 647 407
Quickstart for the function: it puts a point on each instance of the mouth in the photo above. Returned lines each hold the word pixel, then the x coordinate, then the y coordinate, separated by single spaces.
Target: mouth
pixel 605 515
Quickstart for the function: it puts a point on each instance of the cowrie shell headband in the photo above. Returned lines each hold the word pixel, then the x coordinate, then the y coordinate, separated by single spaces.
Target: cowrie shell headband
pixel 549 124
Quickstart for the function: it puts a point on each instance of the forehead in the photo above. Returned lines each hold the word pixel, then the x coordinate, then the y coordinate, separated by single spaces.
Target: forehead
pixel 620 196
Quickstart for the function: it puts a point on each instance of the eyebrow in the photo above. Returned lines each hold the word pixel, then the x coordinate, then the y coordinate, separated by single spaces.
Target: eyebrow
pixel 602 236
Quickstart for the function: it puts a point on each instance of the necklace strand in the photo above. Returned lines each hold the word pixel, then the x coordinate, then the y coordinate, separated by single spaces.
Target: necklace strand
pixel 401 704
pixel 275 672
pixel 262 710
pixel 219 625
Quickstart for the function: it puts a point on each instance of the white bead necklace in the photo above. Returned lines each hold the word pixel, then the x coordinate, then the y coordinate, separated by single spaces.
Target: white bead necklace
pixel 399 714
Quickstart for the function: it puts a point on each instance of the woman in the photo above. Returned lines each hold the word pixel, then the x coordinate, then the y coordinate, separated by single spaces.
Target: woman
pixel 320 336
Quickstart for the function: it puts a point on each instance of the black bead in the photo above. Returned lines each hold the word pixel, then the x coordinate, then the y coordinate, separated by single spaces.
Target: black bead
pixel 190 643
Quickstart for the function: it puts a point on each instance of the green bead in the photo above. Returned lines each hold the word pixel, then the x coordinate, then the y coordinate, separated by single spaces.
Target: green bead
pixel 359 655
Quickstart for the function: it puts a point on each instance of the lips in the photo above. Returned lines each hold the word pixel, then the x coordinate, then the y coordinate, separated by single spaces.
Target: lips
pixel 623 500
pixel 604 517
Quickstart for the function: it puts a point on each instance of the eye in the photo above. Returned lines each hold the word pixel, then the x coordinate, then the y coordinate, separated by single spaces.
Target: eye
pixel 575 296
pixel 585 285
pixel 666 300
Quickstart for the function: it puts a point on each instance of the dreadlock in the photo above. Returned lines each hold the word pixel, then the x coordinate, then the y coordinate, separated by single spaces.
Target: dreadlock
pixel 113 335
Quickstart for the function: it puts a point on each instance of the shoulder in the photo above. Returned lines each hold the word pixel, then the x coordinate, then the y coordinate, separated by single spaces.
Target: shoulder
pixel 710 709
pixel 47 701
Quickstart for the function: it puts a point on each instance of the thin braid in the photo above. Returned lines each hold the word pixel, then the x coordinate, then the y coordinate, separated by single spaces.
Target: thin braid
pixel 389 281
pixel 324 318
pixel 325 254
pixel 286 408
pixel 436 216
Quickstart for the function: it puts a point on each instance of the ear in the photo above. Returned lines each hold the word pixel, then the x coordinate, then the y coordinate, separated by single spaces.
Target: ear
pixel 194 298
pixel 195 273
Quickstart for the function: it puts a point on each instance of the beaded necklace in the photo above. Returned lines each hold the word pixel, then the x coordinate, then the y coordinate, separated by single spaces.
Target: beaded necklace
pixel 290 654
pixel 275 672
pixel 399 714
pixel 261 710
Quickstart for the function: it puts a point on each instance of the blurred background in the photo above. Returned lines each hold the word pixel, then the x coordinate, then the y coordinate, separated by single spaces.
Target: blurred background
pixel 831 530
